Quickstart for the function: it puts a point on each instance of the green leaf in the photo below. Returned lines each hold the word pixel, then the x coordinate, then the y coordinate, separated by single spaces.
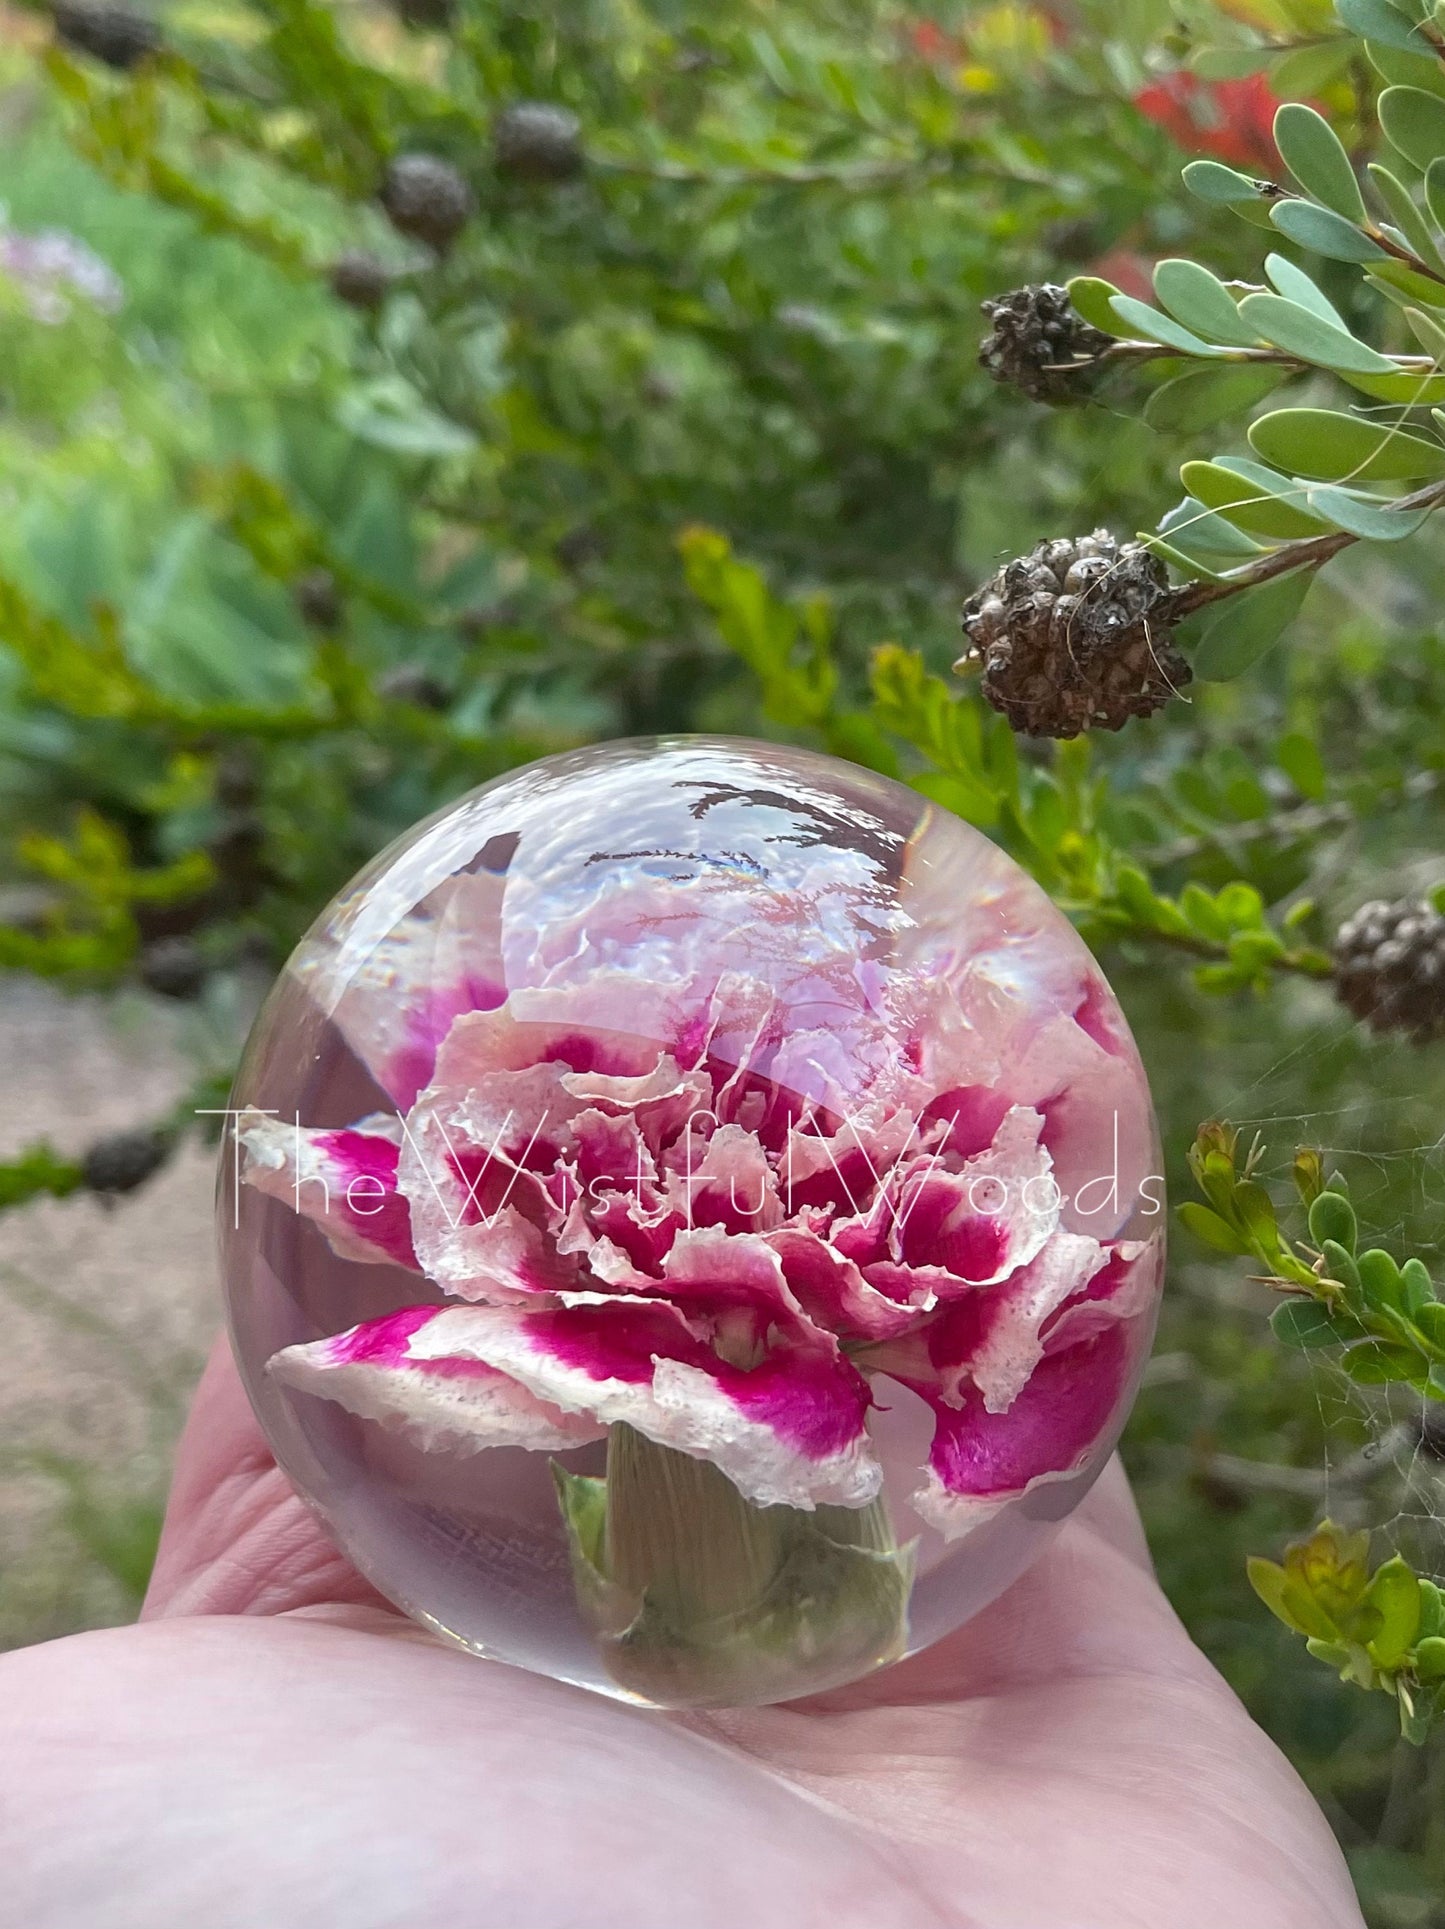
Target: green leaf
pixel 1091 298
pixel 1291 281
pixel 1428 332
pixel 1201 397
pixel 1324 232
pixel 1430 1658
pixel 1435 196
pixel 1372 518
pixel 1305 72
pixel 1200 301
pixel 389 414
pixel 1419 1287
pixel 1298 756
pixel 1378 20
pixel 1413 123
pixel 1314 155
pixel 1270 1583
pixel 1332 1217
pixel 1208 1226
pixel 1407 281
pixel 1380 1279
pixel 1241 628
pixel 1404 387
pixel 1304 1323
pixel 1394 1593
pixel 1142 320
pixel 1255 498
pixel 1380 1363
pixel 1334 447
pixel 1299 332
pixel 1212 181
pixel 1197 530
pixel 1407 217
pixel 1430 1319
pixel 1432 1609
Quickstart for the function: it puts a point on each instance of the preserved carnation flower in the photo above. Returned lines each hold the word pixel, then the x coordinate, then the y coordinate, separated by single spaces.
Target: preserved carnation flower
pixel 691 1220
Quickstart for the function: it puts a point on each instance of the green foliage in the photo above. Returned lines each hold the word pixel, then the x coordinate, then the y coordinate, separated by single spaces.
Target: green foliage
pixel 1381 1630
pixel 696 439
pixel 1383 1322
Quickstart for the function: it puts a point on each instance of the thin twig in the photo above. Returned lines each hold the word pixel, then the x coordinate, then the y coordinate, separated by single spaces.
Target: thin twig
pixel 1312 552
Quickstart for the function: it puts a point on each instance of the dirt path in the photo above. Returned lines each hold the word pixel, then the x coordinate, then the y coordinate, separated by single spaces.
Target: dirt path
pixel 107 1310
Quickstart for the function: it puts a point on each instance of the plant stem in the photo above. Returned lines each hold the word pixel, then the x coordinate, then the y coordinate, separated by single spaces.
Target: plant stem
pixel 700 1598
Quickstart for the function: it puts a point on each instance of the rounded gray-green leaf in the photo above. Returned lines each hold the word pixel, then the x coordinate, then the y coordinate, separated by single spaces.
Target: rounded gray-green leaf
pixel 1314 155
pixel 1371 518
pixel 1140 319
pixel 1377 20
pixel 1300 332
pixel 1414 123
pixel 1330 446
pixel 1258 500
pixel 1235 632
pixel 1295 285
pixel 1203 396
pixel 1212 181
pixel 1324 232
pixel 1200 301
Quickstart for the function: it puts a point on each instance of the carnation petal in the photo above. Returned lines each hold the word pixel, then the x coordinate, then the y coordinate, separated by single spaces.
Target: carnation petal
pixel 342 1179
pixel 1061 1423
pixel 411 1370
pixel 788 1431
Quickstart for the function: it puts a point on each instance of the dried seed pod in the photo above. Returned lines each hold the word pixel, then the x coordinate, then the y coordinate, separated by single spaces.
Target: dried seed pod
pixel 1390 967
pixel 1075 635
pixel 124 1160
pixel 1039 343
pixel 536 141
pixel 427 198
pixel 360 279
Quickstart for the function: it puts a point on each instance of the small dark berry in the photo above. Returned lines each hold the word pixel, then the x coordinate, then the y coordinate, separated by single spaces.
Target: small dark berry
pixel 426 198
pixel 173 967
pixel 535 141
pixel 318 598
pixel 360 279
pixel 1040 344
pixel 113 34
pixel 125 1160
pixel 1075 635
pixel 1390 967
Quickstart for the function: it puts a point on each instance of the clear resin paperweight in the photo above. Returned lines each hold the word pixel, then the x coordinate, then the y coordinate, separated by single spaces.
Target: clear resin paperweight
pixel 691 1222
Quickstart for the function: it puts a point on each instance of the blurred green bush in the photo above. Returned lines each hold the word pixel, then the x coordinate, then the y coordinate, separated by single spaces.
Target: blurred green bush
pixel 280 572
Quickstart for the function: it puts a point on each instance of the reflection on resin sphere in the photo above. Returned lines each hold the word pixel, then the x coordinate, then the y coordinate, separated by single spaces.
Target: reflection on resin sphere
pixel 691 1220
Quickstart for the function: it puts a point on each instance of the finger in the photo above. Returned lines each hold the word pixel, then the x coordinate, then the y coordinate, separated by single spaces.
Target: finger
pixel 1110 1510
pixel 237 1538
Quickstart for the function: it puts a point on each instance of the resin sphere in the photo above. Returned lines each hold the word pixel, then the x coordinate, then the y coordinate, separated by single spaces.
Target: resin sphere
pixel 691 1220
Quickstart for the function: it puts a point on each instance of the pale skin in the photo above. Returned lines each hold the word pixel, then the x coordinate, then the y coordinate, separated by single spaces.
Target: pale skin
pixel 274 1748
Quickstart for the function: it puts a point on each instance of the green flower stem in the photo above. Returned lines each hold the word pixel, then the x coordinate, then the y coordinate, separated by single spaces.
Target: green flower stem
pixel 699 1598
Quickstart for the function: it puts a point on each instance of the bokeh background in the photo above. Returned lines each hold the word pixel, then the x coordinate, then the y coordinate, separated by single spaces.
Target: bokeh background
pixel 279 572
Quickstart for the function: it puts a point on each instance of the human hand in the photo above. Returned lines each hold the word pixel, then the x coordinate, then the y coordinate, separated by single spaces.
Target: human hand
pixel 273 1746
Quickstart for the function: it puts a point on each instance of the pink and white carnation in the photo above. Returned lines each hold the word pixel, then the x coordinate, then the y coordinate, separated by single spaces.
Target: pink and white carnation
pixel 692 1164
